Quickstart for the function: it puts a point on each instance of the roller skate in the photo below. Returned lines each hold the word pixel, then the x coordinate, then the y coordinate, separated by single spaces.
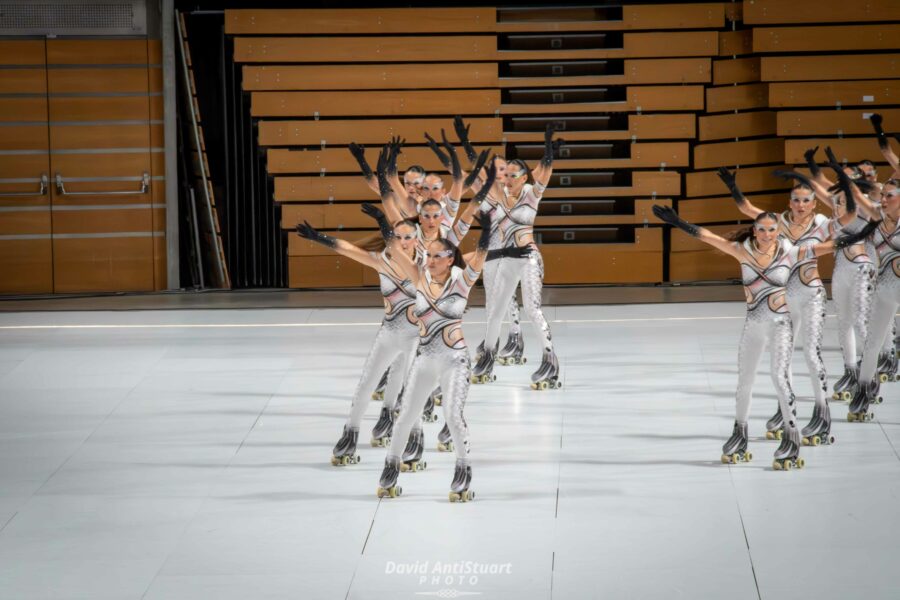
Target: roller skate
pixel 445 440
pixel 381 433
pixel 866 394
pixel 887 367
pixel 479 351
pixel 438 396
pixel 547 375
pixel 344 452
pixel 428 415
pixel 774 426
pixel 787 456
pixel 735 449
pixel 818 431
pixel 513 350
pixel 484 368
pixel 387 486
pixel 378 394
pixel 412 455
pixel 459 488
pixel 843 389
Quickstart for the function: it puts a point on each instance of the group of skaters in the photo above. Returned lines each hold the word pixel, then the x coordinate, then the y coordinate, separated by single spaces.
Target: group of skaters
pixel 786 297
pixel 420 359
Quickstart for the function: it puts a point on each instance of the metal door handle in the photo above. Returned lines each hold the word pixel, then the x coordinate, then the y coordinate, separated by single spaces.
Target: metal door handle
pixel 145 187
pixel 45 183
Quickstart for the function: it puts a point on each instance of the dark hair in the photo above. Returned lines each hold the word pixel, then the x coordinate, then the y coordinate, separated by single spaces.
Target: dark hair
pixel 410 222
pixel 519 163
pixel 741 235
pixel 457 255
pixel 431 201
pixel 376 243
pixel 866 162
pixel 414 169
pixel 799 185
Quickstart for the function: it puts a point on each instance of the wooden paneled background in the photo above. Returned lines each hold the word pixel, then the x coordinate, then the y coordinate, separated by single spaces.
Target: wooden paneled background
pixel 652 99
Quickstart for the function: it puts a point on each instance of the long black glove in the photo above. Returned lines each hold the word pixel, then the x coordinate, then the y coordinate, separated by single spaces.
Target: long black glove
pixel 479 164
pixel 462 132
pixel 384 186
pixel 513 252
pixel 484 240
pixel 668 215
pixel 877 120
pixel 387 232
pixel 395 147
pixel 441 156
pixel 793 175
pixel 848 239
pixel 454 167
pixel 547 159
pixel 810 156
pixel 844 184
pixel 491 173
pixel 359 153
pixel 730 181
pixel 305 230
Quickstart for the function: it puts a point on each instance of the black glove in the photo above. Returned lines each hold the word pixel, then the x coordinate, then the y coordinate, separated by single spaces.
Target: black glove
pixel 877 120
pixel 668 215
pixel 491 173
pixel 810 156
pixel 848 239
pixel 441 156
pixel 832 160
pixel 454 167
pixel 793 175
pixel 394 149
pixel 473 174
pixel 387 232
pixel 547 159
pixel 730 181
pixel 514 252
pixel 384 186
pixel 484 240
pixel 359 153
pixel 462 132
pixel 305 230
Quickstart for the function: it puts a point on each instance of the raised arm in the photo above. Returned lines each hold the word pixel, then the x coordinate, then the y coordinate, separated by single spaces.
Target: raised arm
pixel 388 198
pixel 883 144
pixel 475 178
pixel 359 153
pixel 823 194
pixel 544 170
pixel 845 185
pixel 409 268
pixel 730 181
pixel 446 154
pixel 845 240
pixel 342 247
pixel 668 215
pixel 462 132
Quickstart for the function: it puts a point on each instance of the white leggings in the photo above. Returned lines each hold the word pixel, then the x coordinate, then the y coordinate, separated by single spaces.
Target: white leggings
pixel 435 364
pixel 511 272
pixel 395 345
pixel 807 306
pixel 887 299
pixel 763 328
pixel 852 287
pixel 489 277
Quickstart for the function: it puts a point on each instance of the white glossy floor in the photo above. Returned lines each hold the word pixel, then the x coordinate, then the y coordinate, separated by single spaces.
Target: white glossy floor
pixel 162 455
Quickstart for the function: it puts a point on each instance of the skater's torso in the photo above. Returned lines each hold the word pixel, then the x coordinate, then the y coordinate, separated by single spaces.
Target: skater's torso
pixel 887 245
pixel 764 284
pixel 440 312
pixel 806 271
pixel 516 222
pixel 855 253
pixel 489 207
pixel 398 291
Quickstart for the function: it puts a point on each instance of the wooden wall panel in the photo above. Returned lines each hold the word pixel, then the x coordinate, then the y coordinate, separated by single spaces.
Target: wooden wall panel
pixel 103 264
pixel 723 208
pixel 365 49
pixel 97 52
pixel 831 93
pixel 680 43
pixel 751 152
pixel 737 97
pixel 831 122
pixel 882 36
pixel 374 132
pixel 735 43
pixel 370 77
pixel 363 21
pixel 830 68
pixel 739 125
pixel 307 104
pixel 845 149
pixel 679 16
pixel 23 81
pixel 771 12
pixel 741 70
pixel 26 266
pixel 22 52
pixel 751 179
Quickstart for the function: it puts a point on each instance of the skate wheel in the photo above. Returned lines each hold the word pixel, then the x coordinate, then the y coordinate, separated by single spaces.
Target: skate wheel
pixel 851 417
pixel 816 440
pixel 801 463
pixel 770 435
pixel 805 441
pixel 558 384
pixel 335 461
pixel 534 386
pixel 726 459
pixel 835 396
pixel 845 396
pixel 404 467
pixel 379 492
pixel 831 439
pixel 374 442
pixel 748 457
pixel 883 378
pixel 776 465
pixel 454 497
pixel 544 385
pixel 524 360
pixel 786 465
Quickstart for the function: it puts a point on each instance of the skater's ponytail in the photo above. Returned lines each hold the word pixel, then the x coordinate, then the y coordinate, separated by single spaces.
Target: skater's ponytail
pixel 457 255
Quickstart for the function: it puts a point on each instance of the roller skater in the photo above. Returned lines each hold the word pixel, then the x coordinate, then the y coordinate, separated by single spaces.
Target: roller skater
pixel 766 264
pixel 483 372
pixel 387 485
pixel 462 478
pixel 735 449
pixel 805 292
pixel 511 353
pixel 517 211
pixel 866 395
pixel 843 387
pixel 344 452
pixel 445 441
